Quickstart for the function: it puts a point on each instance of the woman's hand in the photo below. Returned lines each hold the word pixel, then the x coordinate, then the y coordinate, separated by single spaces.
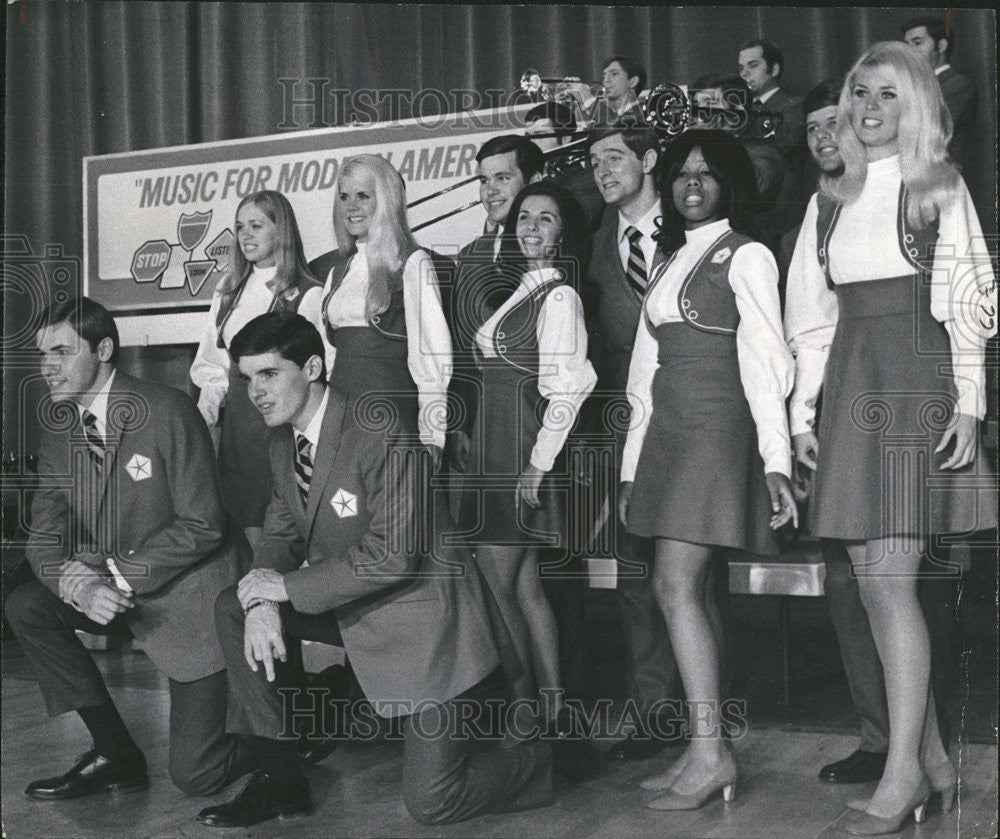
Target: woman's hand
pixel 436 454
pixel 527 487
pixel 806 447
pixel 782 500
pixel 963 429
pixel 624 499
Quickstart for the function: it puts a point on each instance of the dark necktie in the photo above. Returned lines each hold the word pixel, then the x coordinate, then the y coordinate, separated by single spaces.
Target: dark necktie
pixel 95 443
pixel 635 268
pixel 303 466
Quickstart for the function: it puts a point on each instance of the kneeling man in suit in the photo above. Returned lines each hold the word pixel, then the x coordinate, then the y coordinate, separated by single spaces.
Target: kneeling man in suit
pixel 128 535
pixel 340 562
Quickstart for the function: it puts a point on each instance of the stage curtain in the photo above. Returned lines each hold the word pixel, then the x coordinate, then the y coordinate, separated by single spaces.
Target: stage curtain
pixel 95 78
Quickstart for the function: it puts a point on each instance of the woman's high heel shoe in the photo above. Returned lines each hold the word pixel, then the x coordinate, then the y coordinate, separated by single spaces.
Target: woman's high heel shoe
pixel 944 781
pixel 725 780
pixel 665 780
pixel 867 824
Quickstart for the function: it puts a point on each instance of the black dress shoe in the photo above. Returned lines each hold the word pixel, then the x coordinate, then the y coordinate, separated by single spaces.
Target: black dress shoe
pixel 573 755
pixel 637 747
pixel 575 760
pixel 313 751
pixel 261 799
pixel 857 768
pixel 93 773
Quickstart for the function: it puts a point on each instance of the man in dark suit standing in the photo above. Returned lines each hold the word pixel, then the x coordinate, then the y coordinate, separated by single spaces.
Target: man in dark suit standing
pixel 934 41
pixel 761 64
pixel 505 165
pixel 623 258
pixel 555 118
pixel 340 562
pixel 128 534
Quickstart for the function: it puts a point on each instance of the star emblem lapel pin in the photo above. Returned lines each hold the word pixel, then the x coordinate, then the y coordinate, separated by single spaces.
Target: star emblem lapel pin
pixel 344 503
pixel 139 468
pixel 722 256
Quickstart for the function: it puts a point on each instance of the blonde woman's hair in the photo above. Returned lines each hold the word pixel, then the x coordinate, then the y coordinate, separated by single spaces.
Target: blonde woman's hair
pixel 925 129
pixel 390 241
pixel 289 256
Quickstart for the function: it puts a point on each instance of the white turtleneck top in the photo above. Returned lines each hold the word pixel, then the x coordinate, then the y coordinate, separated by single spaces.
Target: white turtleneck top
pixel 428 339
pixel 766 365
pixel 565 376
pixel 865 247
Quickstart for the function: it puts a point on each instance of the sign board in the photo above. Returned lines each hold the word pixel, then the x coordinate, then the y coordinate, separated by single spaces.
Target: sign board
pixel 159 224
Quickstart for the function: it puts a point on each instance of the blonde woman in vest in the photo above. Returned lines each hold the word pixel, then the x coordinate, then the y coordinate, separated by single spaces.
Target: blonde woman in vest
pixel 891 299
pixel 707 459
pixel 381 307
pixel 267 272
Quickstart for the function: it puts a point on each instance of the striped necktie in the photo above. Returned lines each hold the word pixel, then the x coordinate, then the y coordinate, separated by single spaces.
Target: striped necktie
pixel 635 268
pixel 303 466
pixel 95 443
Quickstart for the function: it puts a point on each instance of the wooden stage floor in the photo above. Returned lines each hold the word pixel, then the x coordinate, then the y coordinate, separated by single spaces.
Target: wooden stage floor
pixel 357 788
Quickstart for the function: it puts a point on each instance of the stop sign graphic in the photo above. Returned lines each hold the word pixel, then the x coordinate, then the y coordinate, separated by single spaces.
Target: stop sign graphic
pixel 150 261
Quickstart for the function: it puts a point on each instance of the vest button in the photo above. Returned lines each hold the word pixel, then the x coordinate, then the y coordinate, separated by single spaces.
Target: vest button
pixel 501 335
pixel 375 319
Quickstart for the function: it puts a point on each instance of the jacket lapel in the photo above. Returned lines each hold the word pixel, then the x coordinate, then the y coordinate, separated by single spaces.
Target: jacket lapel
pixel 125 407
pixel 329 444
pixel 611 231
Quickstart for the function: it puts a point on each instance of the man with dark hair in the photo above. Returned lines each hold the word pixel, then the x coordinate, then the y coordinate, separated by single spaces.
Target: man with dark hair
pixel 339 562
pixel 623 80
pixel 721 103
pixel 935 42
pixel 505 165
pixel 128 535
pixel 623 258
pixel 821 105
pixel 761 64
pixel 556 123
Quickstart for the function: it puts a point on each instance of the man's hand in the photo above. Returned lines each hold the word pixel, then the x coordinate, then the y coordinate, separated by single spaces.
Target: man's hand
pixel 74 576
pixel 262 639
pixel 262 584
pixel 101 603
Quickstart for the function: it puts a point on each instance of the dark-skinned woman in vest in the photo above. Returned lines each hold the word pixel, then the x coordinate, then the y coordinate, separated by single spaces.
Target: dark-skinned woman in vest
pixel 267 272
pixel 891 299
pixel 382 314
pixel 707 459
pixel 532 353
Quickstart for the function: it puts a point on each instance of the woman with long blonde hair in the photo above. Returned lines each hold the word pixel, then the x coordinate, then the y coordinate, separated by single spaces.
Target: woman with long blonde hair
pixel 381 305
pixel 891 299
pixel 267 272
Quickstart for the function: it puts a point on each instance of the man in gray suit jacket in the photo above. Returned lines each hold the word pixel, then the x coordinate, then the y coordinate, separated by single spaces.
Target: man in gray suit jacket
pixel 930 37
pixel 128 534
pixel 342 561
pixel 761 64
